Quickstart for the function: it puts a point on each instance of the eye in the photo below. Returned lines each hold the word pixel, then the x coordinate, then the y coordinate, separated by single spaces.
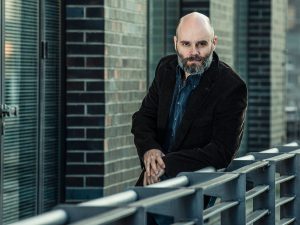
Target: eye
pixel 185 43
pixel 202 44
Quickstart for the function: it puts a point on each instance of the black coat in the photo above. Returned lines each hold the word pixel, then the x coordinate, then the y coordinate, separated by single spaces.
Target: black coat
pixel 212 125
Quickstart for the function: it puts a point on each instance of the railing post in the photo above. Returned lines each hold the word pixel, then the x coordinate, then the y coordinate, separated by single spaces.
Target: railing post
pixel 284 183
pixel 260 189
pixel 181 204
pixel 267 199
pixel 229 187
pixel 296 188
pixel 236 191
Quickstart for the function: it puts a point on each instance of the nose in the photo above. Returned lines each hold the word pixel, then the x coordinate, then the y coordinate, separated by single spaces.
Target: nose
pixel 194 50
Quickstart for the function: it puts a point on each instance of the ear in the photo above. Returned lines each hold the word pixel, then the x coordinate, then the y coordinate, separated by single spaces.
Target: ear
pixel 175 41
pixel 215 42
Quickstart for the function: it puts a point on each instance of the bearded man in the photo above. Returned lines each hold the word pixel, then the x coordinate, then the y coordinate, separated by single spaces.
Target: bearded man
pixel 193 115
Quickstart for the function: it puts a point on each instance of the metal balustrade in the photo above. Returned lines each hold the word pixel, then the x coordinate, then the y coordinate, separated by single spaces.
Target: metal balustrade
pixel 260 188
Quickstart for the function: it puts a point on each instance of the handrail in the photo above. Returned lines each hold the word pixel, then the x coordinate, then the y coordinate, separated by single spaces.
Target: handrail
pixel 131 196
pixel 184 186
pixel 55 217
pixel 107 217
pixel 215 181
pixel 113 200
pixel 180 181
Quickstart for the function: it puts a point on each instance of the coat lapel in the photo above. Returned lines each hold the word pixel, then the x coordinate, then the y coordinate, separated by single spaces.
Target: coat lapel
pixel 196 100
pixel 166 95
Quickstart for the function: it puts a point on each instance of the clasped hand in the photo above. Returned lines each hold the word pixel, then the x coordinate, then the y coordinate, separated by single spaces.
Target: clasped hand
pixel 154 165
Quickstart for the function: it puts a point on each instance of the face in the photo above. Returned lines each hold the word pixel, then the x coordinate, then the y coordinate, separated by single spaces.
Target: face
pixel 194 48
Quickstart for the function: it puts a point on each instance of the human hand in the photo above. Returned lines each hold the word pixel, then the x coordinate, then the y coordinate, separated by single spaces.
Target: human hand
pixel 152 179
pixel 153 162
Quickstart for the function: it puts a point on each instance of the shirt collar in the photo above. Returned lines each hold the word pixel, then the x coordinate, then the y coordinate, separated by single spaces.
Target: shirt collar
pixel 191 80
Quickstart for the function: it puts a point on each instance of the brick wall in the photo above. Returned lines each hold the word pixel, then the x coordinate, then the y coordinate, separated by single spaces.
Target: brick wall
pixel 85 99
pixel 125 86
pixel 265 73
pixel 222 15
pixel 278 76
pixel 259 18
pixel 106 81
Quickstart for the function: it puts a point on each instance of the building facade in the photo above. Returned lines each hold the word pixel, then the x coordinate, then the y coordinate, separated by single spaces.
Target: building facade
pixel 79 69
pixel 251 40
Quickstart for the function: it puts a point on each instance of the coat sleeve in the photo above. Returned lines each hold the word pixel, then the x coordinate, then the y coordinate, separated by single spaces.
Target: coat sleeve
pixel 144 121
pixel 227 130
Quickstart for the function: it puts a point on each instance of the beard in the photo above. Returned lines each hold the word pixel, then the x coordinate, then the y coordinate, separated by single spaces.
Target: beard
pixel 195 68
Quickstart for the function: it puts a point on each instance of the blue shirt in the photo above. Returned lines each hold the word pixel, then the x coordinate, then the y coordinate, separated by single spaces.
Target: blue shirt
pixel 182 92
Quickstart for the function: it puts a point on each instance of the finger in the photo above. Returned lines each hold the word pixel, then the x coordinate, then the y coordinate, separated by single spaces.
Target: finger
pixel 147 163
pixel 148 180
pixel 160 162
pixel 152 173
pixel 155 179
pixel 145 179
pixel 161 173
pixel 154 167
pixel 147 168
pixel 152 180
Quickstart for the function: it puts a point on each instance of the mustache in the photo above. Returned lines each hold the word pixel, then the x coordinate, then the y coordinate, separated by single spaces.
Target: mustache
pixel 193 58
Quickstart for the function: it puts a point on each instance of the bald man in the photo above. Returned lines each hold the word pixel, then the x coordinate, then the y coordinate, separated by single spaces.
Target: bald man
pixel 193 115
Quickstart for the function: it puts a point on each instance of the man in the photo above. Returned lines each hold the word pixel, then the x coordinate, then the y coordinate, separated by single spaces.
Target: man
pixel 193 115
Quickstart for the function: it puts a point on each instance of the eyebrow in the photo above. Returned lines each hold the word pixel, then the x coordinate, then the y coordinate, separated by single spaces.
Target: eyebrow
pixel 184 42
pixel 198 42
pixel 202 42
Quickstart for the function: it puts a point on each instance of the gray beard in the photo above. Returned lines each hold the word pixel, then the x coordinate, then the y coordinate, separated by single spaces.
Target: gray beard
pixel 193 69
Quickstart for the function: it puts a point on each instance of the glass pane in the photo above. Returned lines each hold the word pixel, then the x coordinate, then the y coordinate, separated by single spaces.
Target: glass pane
pixel 172 17
pixel 163 18
pixel 50 109
pixel 21 89
pixel 156 35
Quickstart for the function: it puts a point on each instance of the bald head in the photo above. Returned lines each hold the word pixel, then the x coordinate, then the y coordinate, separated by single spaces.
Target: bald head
pixel 195 20
pixel 194 43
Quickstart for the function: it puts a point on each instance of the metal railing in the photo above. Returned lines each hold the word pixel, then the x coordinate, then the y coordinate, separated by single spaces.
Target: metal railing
pixel 260 188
